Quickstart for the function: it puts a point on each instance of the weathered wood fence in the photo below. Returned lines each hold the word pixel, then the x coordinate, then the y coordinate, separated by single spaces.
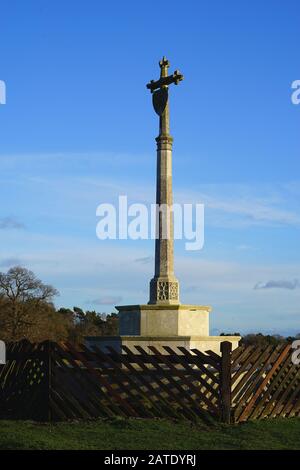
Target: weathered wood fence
pixel 265 383
pixel 50 381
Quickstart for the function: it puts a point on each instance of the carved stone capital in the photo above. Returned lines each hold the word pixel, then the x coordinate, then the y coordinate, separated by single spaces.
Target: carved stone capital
pixel 164 291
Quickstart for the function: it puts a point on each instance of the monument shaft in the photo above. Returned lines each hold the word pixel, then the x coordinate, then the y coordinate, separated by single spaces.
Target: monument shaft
pixel 164 287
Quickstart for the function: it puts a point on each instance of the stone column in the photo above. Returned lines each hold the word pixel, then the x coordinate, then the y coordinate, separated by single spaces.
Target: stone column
pixel 164 287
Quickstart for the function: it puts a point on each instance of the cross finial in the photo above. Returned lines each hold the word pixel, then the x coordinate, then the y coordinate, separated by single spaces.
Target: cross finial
pixel 164 61
pixel 164 65
pixel 165 79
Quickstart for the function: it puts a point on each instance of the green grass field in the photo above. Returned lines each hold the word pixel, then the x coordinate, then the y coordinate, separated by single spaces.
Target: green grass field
pixel 150 435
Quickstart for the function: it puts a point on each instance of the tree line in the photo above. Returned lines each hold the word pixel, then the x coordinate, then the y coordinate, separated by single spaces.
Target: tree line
pixel 27 312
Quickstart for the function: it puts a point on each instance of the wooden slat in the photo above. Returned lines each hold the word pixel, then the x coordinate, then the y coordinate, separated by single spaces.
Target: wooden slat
pixel 291 410
pixel 284 401
pixel 249 406
pixel 111 392
pixel 186 360
pixel 89 381
pixel 189 384
pixel 253 364
pixel 132 385
pixel 148 384
pixel 225 381
pixel 172 380
pixel 244 387
pixel 75 382
pixel 274 391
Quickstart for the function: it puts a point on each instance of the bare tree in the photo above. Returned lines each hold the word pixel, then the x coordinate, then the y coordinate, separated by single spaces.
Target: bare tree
pixel 23 297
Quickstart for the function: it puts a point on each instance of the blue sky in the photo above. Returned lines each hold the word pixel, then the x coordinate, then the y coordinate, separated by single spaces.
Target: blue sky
pixel 78 129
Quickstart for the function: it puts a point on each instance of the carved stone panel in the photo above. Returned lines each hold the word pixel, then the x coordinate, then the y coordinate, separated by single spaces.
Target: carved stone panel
pixel 164 291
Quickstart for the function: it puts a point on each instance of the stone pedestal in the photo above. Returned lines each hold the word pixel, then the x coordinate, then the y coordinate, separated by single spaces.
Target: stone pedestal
pixel 164 320
pixel 163 325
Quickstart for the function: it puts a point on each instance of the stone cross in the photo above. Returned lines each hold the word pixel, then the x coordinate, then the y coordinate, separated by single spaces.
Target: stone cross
pixel 164 287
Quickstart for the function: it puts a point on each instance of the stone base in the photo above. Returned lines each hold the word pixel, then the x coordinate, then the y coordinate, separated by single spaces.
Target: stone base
pixel 164 320
pixel 163 325
pixel 202 343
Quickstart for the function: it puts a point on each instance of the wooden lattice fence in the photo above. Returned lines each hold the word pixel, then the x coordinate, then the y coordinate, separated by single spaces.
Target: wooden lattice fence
pixel 265 383
pixel 50 381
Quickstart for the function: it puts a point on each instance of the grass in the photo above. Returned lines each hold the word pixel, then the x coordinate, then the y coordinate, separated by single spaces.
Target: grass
pixel 133 434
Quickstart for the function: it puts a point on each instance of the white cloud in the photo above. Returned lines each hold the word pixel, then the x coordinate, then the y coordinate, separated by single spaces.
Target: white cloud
pixel 290 285
pixel 10 223
pixel 105 300
pixel 82 181
pixel 244 205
